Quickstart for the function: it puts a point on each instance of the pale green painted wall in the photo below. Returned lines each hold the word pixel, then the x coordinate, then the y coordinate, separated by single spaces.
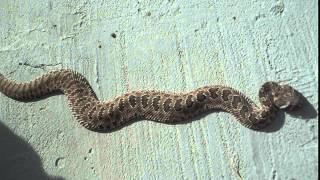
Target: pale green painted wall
pixel 169 45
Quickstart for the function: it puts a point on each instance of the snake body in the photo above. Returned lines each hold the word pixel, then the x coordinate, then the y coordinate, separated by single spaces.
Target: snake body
pixel 153 105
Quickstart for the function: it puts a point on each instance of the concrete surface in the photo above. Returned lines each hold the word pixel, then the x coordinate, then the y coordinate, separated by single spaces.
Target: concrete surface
pixel 174 45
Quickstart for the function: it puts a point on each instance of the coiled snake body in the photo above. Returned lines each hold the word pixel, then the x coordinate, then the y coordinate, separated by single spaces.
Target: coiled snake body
pixel 152 105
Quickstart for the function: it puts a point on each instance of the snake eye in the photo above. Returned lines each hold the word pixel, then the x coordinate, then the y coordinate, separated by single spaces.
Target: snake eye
pixel 100 127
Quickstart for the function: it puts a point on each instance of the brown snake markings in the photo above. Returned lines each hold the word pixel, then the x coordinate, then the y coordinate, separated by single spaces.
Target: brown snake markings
pixel 153 105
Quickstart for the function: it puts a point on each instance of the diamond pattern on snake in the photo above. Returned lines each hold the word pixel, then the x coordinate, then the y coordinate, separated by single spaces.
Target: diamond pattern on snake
pixel 159 106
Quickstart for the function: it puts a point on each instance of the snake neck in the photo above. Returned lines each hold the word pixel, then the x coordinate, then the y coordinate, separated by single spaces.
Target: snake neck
pixel 266 113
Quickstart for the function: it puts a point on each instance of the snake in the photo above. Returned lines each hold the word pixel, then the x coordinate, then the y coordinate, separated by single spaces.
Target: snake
pixel 154 105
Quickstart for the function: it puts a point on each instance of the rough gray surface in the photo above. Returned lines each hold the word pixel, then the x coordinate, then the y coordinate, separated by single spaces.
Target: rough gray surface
pixel 167 45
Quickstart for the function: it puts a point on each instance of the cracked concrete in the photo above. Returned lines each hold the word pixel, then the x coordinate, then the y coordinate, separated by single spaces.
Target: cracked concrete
pixel 40 66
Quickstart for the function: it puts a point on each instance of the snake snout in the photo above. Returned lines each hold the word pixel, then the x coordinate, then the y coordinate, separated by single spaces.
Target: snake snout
pixel 287 98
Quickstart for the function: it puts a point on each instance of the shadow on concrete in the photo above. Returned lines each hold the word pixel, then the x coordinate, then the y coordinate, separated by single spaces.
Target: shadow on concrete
pixel 18 160
pixel 306 111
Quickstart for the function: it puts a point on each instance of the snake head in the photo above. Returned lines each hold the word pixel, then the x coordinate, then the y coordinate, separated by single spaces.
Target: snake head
pixel 281 96
pixel 286 97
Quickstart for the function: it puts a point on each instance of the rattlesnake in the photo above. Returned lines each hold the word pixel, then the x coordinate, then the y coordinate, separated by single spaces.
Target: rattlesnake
pixel 153 105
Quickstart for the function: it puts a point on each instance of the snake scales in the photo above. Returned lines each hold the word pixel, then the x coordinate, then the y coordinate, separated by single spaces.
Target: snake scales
pixel 153 105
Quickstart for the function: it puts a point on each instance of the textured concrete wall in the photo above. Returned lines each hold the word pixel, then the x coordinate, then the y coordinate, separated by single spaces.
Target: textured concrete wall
pixel 173 45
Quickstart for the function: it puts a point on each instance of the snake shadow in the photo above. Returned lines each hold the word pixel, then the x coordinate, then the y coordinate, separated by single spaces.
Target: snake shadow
pixel 306 111
pixel 18 158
